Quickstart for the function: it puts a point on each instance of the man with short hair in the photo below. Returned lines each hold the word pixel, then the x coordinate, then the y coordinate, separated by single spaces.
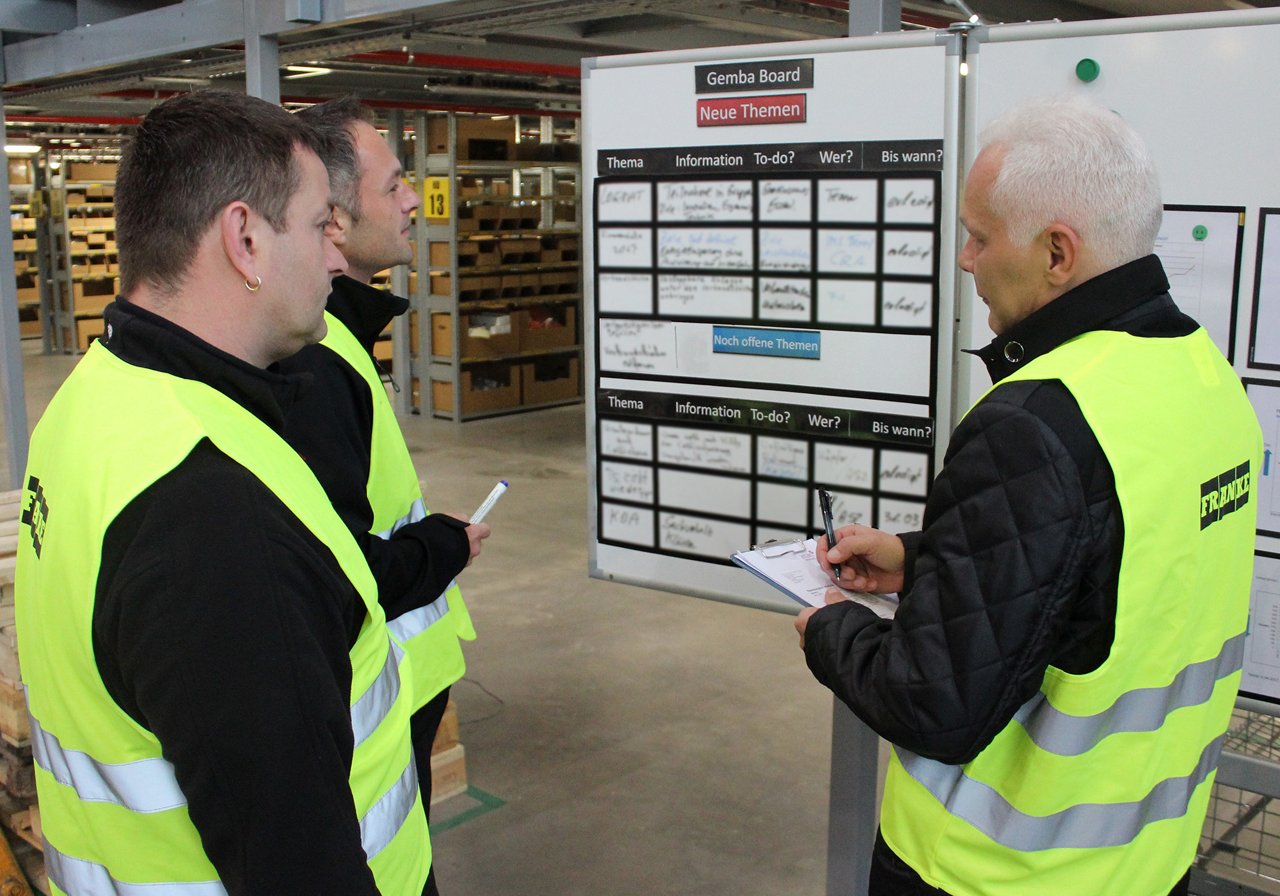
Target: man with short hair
pixel 216 704
pixel 1061 670
pixel 347 430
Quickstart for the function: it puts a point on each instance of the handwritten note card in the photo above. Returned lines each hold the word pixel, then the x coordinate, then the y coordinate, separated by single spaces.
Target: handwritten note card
pixel 905 472
pixel 847 302
pixel 628 482
pixel 842 464
pixel 907 304
pixel 786 298
pixel 704 295
pixel 713 200
pixel 853 201
pixel 691 247
pixel 633 525
pixel 629 247
pixel 908 252
pixel 636 346
pixel 786 200
pixel 620 438
pixel 847 509
pixel 782 458
pixel 698 535
pixel 900 516
pixel 908 201
pixel 785 250
pixel 624 202
pixel 625 294
pixel 847 251
pixel 707 448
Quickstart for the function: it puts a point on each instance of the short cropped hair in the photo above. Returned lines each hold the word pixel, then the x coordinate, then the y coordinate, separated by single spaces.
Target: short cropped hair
pixel 335 122
pixel 1073 161
pixel 191 157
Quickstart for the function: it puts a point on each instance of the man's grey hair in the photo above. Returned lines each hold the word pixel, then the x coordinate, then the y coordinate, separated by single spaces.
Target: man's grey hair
pixel 1071 161
pixel 334 122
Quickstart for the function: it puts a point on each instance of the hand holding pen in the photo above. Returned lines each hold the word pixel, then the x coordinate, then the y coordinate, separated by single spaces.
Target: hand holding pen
pixel 870 560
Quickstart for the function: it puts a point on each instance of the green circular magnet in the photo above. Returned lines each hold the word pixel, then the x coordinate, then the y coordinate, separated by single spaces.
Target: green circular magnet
pixel 1200 232
pixel 1088 70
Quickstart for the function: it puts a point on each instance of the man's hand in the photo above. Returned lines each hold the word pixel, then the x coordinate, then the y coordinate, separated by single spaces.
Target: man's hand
pixel 872 560
pixel 833 596
pixel 476 533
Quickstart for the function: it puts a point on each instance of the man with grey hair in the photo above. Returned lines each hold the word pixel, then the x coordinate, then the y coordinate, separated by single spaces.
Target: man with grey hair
pixel 1061 670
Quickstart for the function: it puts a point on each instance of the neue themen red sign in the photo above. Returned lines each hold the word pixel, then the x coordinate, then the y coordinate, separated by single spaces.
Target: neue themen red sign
pixel 775 109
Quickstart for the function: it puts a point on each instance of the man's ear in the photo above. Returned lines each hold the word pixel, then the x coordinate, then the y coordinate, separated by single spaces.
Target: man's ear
pixel 1064 251
pixel 339 227
pixel 240 231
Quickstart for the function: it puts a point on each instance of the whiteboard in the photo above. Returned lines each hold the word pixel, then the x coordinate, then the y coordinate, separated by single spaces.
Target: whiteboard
pixel 770 277
pixel 1198 89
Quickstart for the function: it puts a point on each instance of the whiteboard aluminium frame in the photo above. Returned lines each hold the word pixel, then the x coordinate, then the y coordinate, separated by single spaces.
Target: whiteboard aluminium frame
pixel 697 579
pixel 1247 772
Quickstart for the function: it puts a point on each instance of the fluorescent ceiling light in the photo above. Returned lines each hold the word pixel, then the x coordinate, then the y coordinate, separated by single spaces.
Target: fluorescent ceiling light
pixel 21 149
pixel 305 71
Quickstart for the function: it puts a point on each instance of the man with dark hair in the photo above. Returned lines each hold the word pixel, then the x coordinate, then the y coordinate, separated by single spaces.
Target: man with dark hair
pixel 216 704
pixel 347 431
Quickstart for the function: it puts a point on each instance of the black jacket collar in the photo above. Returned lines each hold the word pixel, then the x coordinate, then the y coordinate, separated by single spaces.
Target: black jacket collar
pixel 138 337
pixel 363 309
pixel 1133 298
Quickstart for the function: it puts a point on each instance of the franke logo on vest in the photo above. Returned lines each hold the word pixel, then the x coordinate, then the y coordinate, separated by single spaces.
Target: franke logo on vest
pixel 778 109
pixel 1224 493
pixel 36 512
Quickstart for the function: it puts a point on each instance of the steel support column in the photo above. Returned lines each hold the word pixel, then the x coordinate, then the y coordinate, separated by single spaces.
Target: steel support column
pixel 868 17
pixel 11 382
pixel 261 57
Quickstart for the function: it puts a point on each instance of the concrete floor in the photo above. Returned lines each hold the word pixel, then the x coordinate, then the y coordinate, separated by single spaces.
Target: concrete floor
pixel 641 742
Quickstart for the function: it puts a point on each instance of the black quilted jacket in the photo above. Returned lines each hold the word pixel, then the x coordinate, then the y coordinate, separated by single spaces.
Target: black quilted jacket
pixel 1016 567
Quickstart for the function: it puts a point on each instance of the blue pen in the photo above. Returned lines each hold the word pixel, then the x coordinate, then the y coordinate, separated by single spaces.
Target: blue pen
pixel 824 504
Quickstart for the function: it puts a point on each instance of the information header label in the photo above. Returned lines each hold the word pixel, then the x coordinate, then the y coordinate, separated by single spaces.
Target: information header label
pixel 770 74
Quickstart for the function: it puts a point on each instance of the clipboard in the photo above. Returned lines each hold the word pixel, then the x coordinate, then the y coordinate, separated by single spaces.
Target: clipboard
pixel 792 567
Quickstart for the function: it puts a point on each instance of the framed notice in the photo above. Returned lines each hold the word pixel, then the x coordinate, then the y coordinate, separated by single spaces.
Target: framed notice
pixel 768 293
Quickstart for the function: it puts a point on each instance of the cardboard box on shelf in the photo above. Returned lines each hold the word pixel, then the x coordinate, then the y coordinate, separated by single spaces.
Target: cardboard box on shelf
pixel 87 330
pixel 484 334
pixel 19 171
pixel 480 138
pixel 554 378
pixel 494 386
pixel 549 326
pixel 85 171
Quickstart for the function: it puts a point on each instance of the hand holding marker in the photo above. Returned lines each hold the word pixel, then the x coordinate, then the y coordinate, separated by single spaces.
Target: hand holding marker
pixel 489 501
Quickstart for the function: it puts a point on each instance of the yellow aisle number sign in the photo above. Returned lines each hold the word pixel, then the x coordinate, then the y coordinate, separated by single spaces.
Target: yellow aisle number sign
pixel 435 198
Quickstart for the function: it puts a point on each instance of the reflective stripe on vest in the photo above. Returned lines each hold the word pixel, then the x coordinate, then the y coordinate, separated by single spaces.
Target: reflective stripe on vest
pixel 415 622
pixel 81 878
pixel 1083 826
pixel 417 511
pixel 1143 709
